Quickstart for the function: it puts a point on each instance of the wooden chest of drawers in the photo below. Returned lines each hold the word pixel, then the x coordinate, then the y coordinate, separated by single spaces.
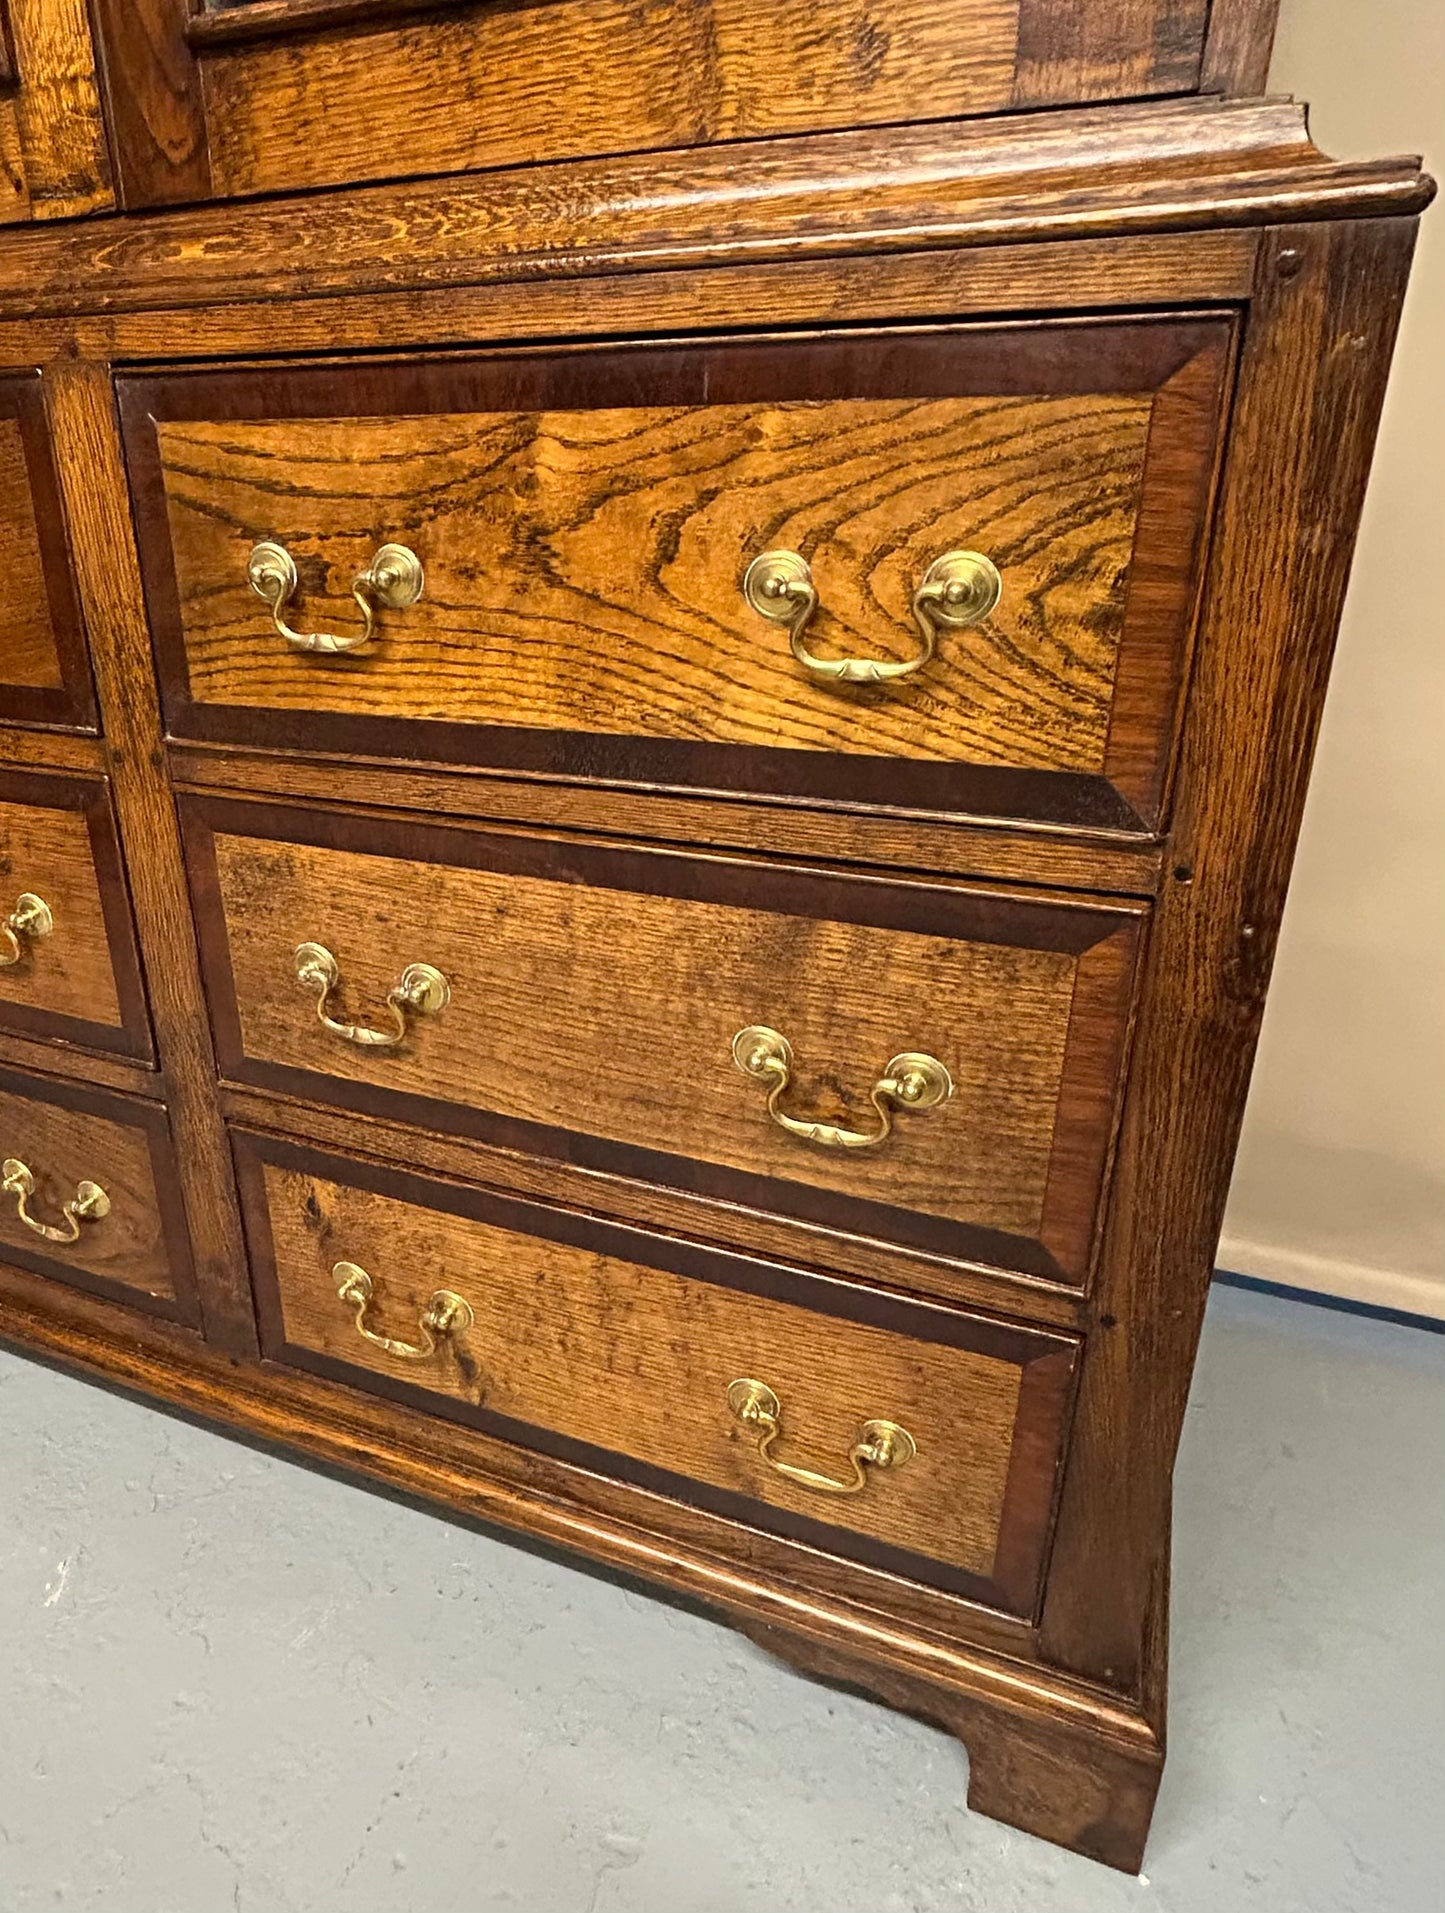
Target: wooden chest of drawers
pixel 645 808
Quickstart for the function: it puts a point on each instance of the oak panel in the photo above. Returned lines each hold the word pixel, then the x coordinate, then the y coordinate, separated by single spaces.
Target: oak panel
pixel 56 104
pixel 228 101
pixel 44 676
pixel 82 982
pixel 596 992
pixel 584 553
pixel 66 1133
pixel 624 1344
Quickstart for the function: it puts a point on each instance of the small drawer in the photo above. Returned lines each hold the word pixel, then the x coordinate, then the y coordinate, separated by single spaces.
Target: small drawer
pixel 632 1354
pixel 634 1010
pixel 69 969
pixel 89 1193
pixel 44 671
pixel 765 567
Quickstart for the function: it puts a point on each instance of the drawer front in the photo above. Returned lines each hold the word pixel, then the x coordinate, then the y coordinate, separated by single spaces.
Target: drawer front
pixel 617 1350
pixel 89 1193
pixel 68 963
pixel 44 672
pixel 585 523
pixel 596 995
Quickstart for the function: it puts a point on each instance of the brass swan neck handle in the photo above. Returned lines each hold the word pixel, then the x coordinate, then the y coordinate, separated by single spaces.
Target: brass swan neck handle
pixel 446 1314
pixel 910 1080
pixel 422 991
pixel 879 1444
pixel 960 588
pixel 394 579
pixel 31 920
pixel 88 1204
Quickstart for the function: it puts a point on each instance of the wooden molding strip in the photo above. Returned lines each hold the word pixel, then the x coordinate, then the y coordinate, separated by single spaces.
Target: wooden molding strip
pixel 965 183
pixel 277 19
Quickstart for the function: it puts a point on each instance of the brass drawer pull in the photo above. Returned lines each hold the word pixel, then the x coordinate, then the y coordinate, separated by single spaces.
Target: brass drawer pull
pixel 88 1204
pixel 422 991
pixel 445 1315
pixel 394 578
pixel 960 588
pixel 909 1081
pixel 30 919
pixel 880 1444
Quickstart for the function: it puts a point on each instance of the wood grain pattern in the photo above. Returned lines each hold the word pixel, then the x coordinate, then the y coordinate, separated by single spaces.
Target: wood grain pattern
pixel 57 109
pixel 577 1339
pixel 596 993
pixel 47 851
pixel 81 408
pixel 81 984
pixel 153 101
pixel 584 566
pixel 1311 384
pixel 51 750
pixel 1075 174
pixel 1077 49
pixel 44 675
pixel 1149 270
pixel 66 1133
pixel 474 86
pixel 1238 45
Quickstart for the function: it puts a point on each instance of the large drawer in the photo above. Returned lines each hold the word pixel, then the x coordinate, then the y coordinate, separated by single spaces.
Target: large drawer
pixel 88 1193
pixel 596 998
pixel 630 1354
pixel 641 565
pixel 69 969
pixel 44 671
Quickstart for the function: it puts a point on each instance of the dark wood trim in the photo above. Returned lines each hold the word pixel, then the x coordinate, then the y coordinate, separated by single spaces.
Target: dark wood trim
pixel 1183 358
pixel 154 107
pixel 72 703
pixel 1171 533
pixel 119 923
pixel 281 19
pixel 150 1118
pixel 1237 46
pixel 9 70
pixel 1026 1496
pixel 91 798
pixel 1312 377
pixel 1035 1476
pixel 1076 1162
pixel 1091 1094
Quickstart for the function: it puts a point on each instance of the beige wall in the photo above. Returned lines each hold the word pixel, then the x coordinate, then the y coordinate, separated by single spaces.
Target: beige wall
pixel 1340 1184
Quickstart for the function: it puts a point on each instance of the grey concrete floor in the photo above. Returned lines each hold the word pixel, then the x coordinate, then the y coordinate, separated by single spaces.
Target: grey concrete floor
pixel 233 1686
